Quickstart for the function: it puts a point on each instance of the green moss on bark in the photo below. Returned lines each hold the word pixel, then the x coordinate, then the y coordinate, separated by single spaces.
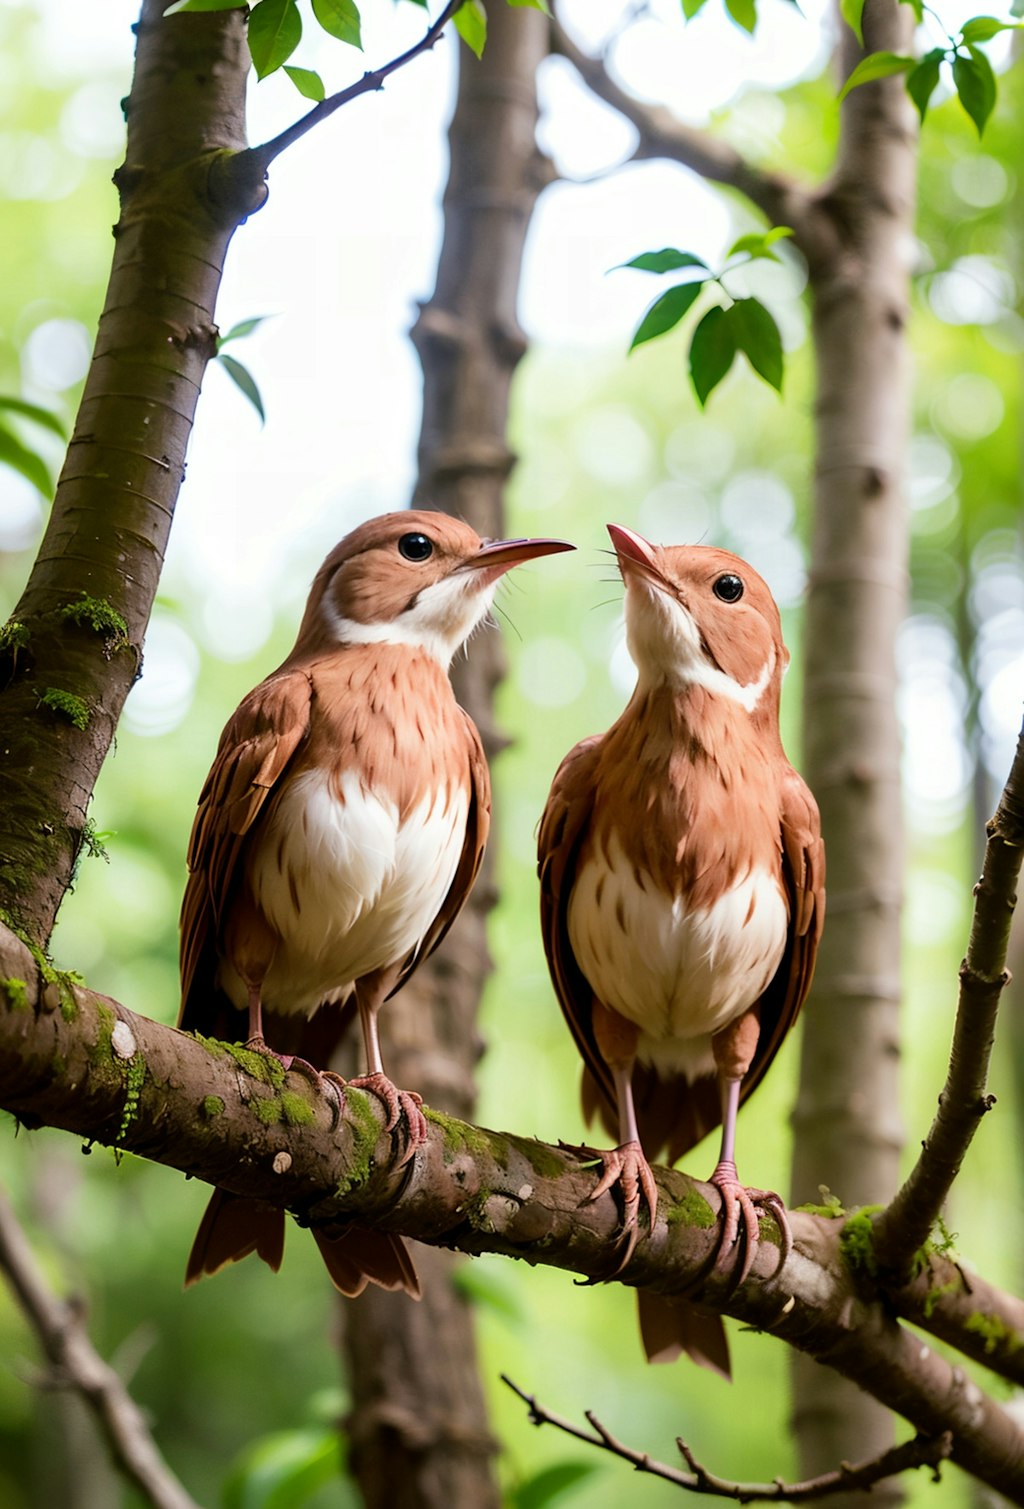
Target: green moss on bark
pixel 66 705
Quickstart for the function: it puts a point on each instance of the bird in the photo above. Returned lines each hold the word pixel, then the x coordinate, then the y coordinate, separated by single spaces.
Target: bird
pixel 337 837
pixel 682 877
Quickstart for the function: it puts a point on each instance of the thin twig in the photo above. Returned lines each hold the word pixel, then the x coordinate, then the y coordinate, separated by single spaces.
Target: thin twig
pixel 903 1228
pixel 370 81
pixel 921 1451
pixel 77 1365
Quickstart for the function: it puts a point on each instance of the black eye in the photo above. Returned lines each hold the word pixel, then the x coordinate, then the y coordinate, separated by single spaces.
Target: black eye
pixel 729 588
pixel 415 547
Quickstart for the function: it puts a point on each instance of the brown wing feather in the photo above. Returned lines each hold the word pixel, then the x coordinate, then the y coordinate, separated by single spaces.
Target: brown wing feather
pixel 478 825
pixel 255 749
pixel 563 827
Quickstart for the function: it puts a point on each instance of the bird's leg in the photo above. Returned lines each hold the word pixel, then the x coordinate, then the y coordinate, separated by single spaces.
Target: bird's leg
pixel 320 1080
pixel 734 1048
pixel 624 1165
pixel 370 994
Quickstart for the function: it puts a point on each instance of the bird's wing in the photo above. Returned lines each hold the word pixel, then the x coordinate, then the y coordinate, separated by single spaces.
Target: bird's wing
pixel 255 749
pixel 563 827
pixel 478 823
pixel 803 872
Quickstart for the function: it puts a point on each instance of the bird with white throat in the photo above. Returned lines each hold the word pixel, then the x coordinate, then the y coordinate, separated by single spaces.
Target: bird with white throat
pixel 338 835
pixel 682 896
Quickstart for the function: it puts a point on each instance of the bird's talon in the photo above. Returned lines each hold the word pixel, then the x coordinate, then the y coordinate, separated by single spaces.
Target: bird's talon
pixel 741 1224
pixel 397 1103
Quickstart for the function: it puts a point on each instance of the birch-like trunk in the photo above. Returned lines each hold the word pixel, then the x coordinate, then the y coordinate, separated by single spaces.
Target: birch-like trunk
pixel 847 1128
pixel 420 1438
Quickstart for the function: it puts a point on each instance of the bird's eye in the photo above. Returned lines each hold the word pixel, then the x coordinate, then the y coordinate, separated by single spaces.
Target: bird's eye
pixel 415 547
pixel 729 588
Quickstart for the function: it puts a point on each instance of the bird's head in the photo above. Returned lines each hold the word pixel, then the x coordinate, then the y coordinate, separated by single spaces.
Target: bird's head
pixel 418 578
pixel 699 616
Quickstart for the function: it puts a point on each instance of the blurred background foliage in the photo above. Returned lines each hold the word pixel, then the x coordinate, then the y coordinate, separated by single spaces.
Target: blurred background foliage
pixel 239 1376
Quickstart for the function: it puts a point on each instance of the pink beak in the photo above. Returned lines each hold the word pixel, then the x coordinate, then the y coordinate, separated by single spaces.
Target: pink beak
pixel 498 556
pixel 632 547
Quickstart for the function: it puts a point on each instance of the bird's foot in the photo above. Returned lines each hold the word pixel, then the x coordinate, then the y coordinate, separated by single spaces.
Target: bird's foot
pixel 626 1166
pixel 397 1103
pixel 741 1210
pixel 324 1081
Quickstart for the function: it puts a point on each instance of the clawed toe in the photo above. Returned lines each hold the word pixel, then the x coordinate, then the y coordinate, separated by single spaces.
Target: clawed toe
pixel 627 1167
pixel 741 1223
pixel 397 1103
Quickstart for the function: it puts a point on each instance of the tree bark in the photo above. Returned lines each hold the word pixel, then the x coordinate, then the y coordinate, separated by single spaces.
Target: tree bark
pixel 419 1432
pixel 847 1129
pixel 68 665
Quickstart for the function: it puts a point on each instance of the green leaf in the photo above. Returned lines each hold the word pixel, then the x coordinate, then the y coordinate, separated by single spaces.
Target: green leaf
pixel 917 6
pixel 471 24
pixel 15 454
pixel 712 352
pixel 852 12
pixel 46 417
pixel 877 65
pixel 984 28
pixel 201 5
pixel 692 8
pixel 758 244
pixel 340 18
pixel 275 30
pixel 922 80
pixel 309 84
pixel 244 379
pixel 757 336
pixel 666 260
pixel 283 1470
pixel 743 12
pixel 545 1486
pixel 667 311
pixel 246 327
pixel 976 85
pixel 532 5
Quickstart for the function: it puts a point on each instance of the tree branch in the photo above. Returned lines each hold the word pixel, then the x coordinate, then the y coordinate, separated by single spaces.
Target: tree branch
pixel 374 79
pixel 663 134
pixel 904 1226
pixel 80 1061
pixel 922 1451
pixel 60 1328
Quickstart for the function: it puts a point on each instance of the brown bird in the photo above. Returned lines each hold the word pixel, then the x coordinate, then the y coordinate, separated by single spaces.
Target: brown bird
pixel 338 835
pixel 682 895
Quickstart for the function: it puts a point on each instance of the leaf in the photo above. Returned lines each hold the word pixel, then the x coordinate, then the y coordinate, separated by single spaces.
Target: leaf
pixel 712 352
pixel 666 260
pixel 15 454
pixel 532 5
pixel 757 336
pixel 549 1483
pixel 46 417
pixel 984 28
pixel 667 311
pixel 917 6
pixel 922 80
pixel 852 12
pixel 471 24
pixel 877 65
pixel 275 30
pixel 692 8
pixel 758 244
pixel 309 84
pixel 282 1470
pixel 340 18
pixel 203 5
pixel 244 379
pixel 976 85
pixel 743 12
pixel 246 327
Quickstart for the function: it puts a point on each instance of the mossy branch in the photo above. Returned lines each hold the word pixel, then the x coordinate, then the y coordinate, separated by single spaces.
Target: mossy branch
pixel 108 1075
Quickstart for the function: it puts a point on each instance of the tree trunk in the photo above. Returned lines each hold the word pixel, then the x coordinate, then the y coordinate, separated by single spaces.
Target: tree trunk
pixel 847 1125
pixel 419 1424
pixel 74 646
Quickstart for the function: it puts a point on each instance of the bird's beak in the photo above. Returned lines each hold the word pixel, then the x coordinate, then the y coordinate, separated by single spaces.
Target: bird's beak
pixel 499 556
pixel 632 547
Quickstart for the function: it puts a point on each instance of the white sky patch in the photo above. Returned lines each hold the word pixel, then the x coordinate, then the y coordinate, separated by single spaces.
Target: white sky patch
pixel 161 699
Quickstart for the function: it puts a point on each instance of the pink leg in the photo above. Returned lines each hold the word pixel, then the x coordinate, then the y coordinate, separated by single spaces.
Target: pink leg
pixel 740 1204
pixel 320 1080
pixel 626 1166
pixel 396 1102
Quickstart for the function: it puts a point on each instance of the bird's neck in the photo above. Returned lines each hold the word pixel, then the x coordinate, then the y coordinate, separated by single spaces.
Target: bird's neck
pixel 684 727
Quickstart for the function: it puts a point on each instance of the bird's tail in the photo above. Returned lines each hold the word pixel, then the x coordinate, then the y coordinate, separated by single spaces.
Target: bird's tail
pixel 233 1226
pixel 668 1327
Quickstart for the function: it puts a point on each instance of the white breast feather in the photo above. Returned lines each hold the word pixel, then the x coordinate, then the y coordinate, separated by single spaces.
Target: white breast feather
pixel 680 976
pixel 367 888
